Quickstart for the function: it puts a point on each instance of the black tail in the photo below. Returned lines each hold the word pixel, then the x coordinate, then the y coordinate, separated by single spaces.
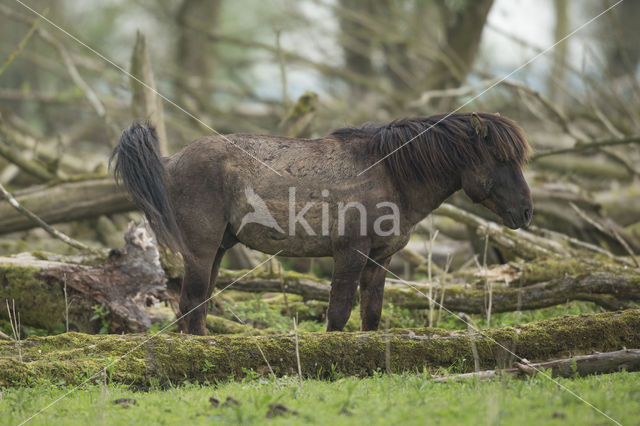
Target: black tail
pixel 139 166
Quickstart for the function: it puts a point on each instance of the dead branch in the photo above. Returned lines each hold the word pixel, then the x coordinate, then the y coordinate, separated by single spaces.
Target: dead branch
pixel 520 242
pixel 582 365
pixel 611 290
pixel 30 167
pixel 586 146
pixel 144 103
pixel 42 224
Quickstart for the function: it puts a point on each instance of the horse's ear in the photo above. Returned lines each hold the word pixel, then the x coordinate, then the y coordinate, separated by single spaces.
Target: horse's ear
pixel 479 125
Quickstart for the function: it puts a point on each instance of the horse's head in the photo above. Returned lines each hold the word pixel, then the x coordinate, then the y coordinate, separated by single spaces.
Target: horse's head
pixel 498 182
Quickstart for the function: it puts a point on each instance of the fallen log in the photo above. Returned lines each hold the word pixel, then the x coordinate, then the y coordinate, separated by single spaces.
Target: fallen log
pixel 582 365
pixel 117 289
pixel 609 289
pixel 65 202
pixel 121 286
pixel 171 358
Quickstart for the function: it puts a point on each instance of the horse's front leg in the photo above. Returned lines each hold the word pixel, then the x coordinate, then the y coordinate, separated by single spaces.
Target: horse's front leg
pixel 347 267
pixel 371 292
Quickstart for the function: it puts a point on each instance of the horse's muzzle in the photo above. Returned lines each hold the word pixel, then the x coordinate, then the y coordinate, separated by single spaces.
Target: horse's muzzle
pixel 519 218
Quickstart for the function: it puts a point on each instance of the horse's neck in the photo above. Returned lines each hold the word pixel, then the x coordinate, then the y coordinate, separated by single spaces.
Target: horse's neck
pixel 423 198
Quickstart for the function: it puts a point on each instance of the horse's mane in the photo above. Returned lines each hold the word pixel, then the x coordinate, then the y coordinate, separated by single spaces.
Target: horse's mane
pixel 442 145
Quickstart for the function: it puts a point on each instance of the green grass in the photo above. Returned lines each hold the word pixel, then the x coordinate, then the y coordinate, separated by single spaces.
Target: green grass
pixel 396 399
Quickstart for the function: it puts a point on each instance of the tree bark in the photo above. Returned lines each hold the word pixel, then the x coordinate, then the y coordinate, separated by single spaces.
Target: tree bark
pixel 136 359
pixel 65 202
pixel 123 286
pixel 463 33
pixel 145 104
pixel 194 51
pixel 610 290
pixel 599 363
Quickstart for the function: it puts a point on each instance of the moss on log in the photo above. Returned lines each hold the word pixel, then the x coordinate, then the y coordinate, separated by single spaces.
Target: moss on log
pixel 144 359
pixel 124 284
pixel 607 285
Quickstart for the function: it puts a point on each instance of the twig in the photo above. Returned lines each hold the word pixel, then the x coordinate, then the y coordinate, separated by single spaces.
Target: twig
pixel 486 279
pixel 427 96
pixel 283 70
pixel 22 44
pixel 557 114
pixel 30 167
pixel 579 244
pixel 91 96
pixel 283 286
pixel 294 57
pixel 255 340
pixel 523 243
pixel 14 320
pixel 432 238
pixel 474 348
pixel 608 231
pixel 66 304
pixel 295 330
pixel 443 279
pixel 52 231
pixel 387 346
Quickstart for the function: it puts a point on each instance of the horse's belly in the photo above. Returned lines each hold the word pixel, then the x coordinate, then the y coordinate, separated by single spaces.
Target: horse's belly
pixel 272 242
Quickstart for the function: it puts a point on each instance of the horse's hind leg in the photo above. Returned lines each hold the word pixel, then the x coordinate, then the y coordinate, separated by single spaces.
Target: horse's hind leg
pixel 371 292
pixel 198 266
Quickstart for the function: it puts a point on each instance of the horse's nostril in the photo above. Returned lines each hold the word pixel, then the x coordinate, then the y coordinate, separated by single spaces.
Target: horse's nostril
pixel 527 215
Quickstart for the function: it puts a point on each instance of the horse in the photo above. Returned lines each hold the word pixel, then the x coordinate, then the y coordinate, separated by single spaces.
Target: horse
pixel 354 195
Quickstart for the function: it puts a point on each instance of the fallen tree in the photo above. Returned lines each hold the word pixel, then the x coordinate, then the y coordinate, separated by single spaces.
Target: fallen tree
pixel 121 286
pixel 548 283
pixel 142 359
pixel 64 202
pixel 53 294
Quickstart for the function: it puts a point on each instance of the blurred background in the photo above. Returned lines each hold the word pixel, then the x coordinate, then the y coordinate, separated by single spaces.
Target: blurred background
pixel 303 68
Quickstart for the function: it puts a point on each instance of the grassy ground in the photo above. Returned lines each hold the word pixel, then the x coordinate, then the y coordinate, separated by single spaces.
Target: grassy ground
pixel 396 399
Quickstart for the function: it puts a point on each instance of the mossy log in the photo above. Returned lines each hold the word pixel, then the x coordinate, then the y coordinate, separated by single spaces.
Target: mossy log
pixel 64 202
pixel 161 358
pixel 123 286
pixel 553 283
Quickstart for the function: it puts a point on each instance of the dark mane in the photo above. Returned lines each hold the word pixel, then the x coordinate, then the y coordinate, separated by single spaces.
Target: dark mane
pixel 444 145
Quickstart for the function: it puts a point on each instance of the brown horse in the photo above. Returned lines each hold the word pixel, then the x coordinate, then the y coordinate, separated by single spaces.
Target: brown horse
pixel 211 195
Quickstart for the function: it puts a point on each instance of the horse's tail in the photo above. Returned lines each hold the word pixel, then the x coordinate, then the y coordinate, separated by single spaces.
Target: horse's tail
pixel 139 166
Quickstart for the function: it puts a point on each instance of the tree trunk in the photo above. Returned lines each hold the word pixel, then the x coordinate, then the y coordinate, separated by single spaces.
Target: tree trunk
pixel 611 290
pixel 139 359
pixel 145 104
pixel 122 287
pixel 557 75
pixel 462 37
pixel 65 202
pixel 195 52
